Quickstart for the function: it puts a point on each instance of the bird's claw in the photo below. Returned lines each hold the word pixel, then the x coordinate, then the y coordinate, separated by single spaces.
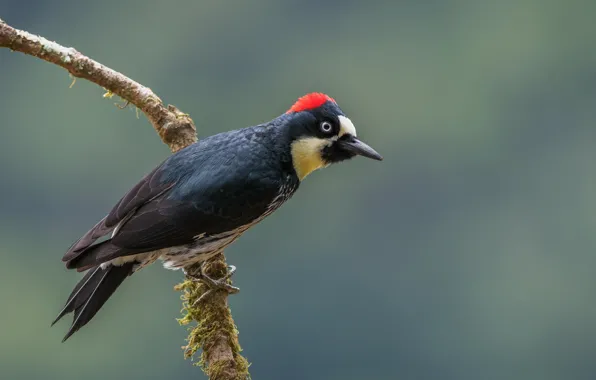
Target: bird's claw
pixel 220 284
pixel 214 285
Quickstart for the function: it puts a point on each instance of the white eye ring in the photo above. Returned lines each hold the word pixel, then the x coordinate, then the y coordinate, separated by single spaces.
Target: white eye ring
pixel 326 127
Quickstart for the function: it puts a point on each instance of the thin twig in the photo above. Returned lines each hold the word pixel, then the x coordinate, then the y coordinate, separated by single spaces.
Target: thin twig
pixel 174 130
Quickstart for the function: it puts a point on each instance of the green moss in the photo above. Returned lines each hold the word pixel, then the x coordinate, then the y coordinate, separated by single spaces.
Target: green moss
pixel 181 114
pixel 213 323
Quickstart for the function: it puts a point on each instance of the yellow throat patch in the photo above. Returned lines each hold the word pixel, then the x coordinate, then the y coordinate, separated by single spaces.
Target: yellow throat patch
pixel 306 155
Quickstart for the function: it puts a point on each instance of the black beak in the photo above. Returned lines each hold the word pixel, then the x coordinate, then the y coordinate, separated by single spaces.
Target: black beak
pixel 352 145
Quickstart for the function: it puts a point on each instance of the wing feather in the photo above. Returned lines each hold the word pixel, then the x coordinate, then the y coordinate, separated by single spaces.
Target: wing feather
pixel 147 189
pixel 213 186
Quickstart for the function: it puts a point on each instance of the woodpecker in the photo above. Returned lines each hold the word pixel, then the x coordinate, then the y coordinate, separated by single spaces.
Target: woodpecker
pixel 203 197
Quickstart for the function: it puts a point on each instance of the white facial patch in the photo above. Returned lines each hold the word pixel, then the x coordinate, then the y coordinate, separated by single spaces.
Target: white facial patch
pixel 346 126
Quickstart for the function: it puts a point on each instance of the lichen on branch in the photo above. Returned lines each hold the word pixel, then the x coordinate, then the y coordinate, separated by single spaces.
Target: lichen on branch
pixel 215 332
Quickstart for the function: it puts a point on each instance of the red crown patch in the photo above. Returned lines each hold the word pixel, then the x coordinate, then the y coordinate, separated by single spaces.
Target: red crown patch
pixel 310 101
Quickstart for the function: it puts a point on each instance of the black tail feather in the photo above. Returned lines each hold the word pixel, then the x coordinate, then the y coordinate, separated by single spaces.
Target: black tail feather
pixel 91 293
pixel 76 299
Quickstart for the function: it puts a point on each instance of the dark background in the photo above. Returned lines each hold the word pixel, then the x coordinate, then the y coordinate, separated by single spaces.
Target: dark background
pixel 467 254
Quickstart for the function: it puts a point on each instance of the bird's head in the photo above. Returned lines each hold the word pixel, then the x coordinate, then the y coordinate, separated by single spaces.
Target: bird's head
pixel 321 134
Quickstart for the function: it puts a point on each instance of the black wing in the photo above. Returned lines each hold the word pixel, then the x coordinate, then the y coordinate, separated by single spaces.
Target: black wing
pixel 147 190
pixel 192 193
pixel 221 196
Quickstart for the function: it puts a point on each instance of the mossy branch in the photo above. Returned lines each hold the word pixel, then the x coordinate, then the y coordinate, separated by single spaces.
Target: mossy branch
pixel 215 332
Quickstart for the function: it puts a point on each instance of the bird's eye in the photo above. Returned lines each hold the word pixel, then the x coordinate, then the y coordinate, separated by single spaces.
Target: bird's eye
pixel 326 127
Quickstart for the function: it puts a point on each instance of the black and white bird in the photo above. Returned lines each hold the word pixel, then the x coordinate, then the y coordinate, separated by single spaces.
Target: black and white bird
pixel 202 198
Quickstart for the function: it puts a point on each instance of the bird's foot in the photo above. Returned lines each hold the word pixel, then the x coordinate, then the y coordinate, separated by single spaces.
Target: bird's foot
pixel 214 285
pixel 220 284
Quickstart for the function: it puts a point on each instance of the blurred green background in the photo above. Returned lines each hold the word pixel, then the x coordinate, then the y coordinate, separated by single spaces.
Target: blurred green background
pixel 467 254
